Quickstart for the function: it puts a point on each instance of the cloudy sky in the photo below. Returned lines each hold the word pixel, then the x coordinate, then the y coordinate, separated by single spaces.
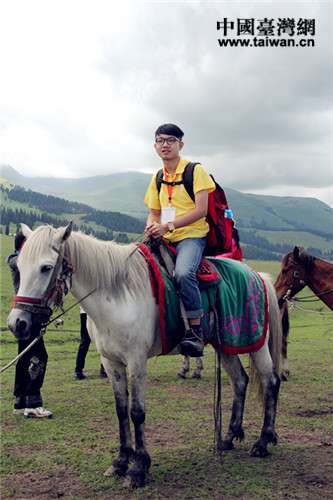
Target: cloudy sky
pixel 85 83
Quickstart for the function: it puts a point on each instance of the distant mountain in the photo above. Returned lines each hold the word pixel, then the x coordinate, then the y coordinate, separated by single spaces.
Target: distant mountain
pixel 268 222
pixel 123 192
pixel 281 213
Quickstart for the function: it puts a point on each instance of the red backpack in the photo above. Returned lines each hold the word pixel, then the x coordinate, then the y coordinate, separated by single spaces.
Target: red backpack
pixel 219 217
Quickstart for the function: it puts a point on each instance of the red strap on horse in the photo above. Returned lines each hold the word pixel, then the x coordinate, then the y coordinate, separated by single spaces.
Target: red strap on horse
pixel 29 300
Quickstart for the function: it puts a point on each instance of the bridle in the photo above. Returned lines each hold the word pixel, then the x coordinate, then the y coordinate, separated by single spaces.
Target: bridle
pixel 296 277
pixel 58 286
pixel 288 294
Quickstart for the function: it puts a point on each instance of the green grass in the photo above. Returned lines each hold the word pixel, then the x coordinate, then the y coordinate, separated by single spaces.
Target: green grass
pixel 65 457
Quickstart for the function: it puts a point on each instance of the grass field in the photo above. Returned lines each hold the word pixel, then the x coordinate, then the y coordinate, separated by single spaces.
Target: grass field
pixel 65 457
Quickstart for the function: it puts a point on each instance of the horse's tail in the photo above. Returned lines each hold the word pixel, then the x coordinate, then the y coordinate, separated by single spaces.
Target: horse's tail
pixel 275 326
pixel 274 335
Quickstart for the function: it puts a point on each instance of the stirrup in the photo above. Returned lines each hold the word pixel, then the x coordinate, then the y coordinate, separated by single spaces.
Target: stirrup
pixel 192 344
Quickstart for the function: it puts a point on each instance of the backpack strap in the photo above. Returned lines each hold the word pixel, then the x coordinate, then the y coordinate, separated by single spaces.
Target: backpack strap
pixel 159 179
pixel 187 179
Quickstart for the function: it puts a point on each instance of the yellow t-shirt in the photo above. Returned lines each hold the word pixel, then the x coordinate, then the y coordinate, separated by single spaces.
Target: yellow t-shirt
pixel 181 200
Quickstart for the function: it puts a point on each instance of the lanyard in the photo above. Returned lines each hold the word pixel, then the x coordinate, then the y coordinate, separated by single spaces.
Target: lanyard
pixel 169 187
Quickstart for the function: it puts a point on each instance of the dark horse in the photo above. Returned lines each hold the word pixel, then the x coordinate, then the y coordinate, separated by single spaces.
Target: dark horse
pixel 300 269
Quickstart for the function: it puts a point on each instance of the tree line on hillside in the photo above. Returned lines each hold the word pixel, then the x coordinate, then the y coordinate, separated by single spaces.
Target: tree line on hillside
pixel 46 203
pixel 255 224
pixel 258 248
pixel 9 216
pixel 112 221
pixel 115 220
pixel 251 238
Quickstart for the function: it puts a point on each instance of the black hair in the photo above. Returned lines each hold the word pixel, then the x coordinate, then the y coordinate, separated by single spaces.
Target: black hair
pixel 19 240
pixel 170 129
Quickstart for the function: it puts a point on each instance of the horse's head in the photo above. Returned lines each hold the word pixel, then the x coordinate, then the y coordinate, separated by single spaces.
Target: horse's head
pixel 290 280
pixel 44 276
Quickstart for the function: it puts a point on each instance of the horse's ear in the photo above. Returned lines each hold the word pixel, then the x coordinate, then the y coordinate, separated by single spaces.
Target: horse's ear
pixel 26 230
pixel 296 252
pixel 64 233
pixel 68 231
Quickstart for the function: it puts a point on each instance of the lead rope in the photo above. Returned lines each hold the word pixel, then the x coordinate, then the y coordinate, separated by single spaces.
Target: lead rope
pixel 42 332
pixel 294 306
pixel 218 371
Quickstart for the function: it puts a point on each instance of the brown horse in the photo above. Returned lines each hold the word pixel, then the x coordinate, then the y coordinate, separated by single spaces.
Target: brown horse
pixel 300 269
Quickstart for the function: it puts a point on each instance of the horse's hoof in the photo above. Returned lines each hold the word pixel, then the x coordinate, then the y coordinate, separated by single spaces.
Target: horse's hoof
pixel 195 375
pixel 227 445
pixel 116 469
pixel 259 451
pixel 181 375
pixel 274 439
pixel 134 480
pixel 110 472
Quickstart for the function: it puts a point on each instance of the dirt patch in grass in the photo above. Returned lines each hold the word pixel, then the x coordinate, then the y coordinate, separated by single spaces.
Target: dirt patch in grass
pixel 299 467
pixel 60 483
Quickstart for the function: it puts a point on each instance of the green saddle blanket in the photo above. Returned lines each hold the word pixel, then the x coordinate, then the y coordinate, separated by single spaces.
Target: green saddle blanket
pixel 243 316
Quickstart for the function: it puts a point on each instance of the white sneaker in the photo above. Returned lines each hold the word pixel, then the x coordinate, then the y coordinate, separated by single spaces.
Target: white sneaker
pixel 19 411
pixel 37 413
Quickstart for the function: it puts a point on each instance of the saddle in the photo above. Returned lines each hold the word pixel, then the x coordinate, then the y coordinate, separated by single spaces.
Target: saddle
pixel 207 274
pixel 233 290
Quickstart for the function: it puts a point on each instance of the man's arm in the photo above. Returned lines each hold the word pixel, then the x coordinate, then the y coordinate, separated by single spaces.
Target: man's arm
pixel 153 217
pixel 157 230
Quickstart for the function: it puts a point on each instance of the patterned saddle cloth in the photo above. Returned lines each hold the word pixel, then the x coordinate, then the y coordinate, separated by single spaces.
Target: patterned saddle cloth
pixel 237 289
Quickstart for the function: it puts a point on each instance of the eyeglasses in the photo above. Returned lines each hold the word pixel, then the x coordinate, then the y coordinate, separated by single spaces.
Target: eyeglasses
pixel 169 140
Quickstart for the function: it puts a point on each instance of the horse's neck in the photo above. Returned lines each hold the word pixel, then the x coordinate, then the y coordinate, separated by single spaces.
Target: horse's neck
pixel 321 280
pixel 114 270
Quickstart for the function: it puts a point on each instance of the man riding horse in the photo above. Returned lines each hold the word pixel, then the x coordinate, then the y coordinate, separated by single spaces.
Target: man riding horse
pixel 174 215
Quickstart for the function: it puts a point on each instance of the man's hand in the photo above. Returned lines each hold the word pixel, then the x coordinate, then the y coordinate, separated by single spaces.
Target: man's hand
pixel 156 230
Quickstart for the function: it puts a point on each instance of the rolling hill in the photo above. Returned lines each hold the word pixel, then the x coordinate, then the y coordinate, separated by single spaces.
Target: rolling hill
pixel 270 224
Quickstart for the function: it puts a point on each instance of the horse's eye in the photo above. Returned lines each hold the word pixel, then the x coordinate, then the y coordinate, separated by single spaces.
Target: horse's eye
pixel 46 269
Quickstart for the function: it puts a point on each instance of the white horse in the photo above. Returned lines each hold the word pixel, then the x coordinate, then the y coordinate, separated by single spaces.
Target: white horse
pixel 124 325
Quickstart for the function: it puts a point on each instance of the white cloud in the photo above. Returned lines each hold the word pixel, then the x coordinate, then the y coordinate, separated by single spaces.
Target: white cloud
pixel 86 83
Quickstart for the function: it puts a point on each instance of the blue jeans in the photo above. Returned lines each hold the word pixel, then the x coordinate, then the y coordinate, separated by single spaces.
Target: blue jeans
pixel 188 259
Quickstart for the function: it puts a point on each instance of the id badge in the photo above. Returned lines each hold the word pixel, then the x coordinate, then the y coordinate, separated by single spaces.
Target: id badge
pixel 168 215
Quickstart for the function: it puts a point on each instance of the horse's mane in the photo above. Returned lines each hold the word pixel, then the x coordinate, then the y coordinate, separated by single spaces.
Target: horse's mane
pixel 97 263
pixel 306 260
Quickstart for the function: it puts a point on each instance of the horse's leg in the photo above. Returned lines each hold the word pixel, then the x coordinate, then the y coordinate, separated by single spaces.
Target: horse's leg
pixel 271 384
pixel 198 368
pixel 239 380
pixel 185 368
pixel 285 331
pixel 136 475
pixel 117 373
pixel 285 368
